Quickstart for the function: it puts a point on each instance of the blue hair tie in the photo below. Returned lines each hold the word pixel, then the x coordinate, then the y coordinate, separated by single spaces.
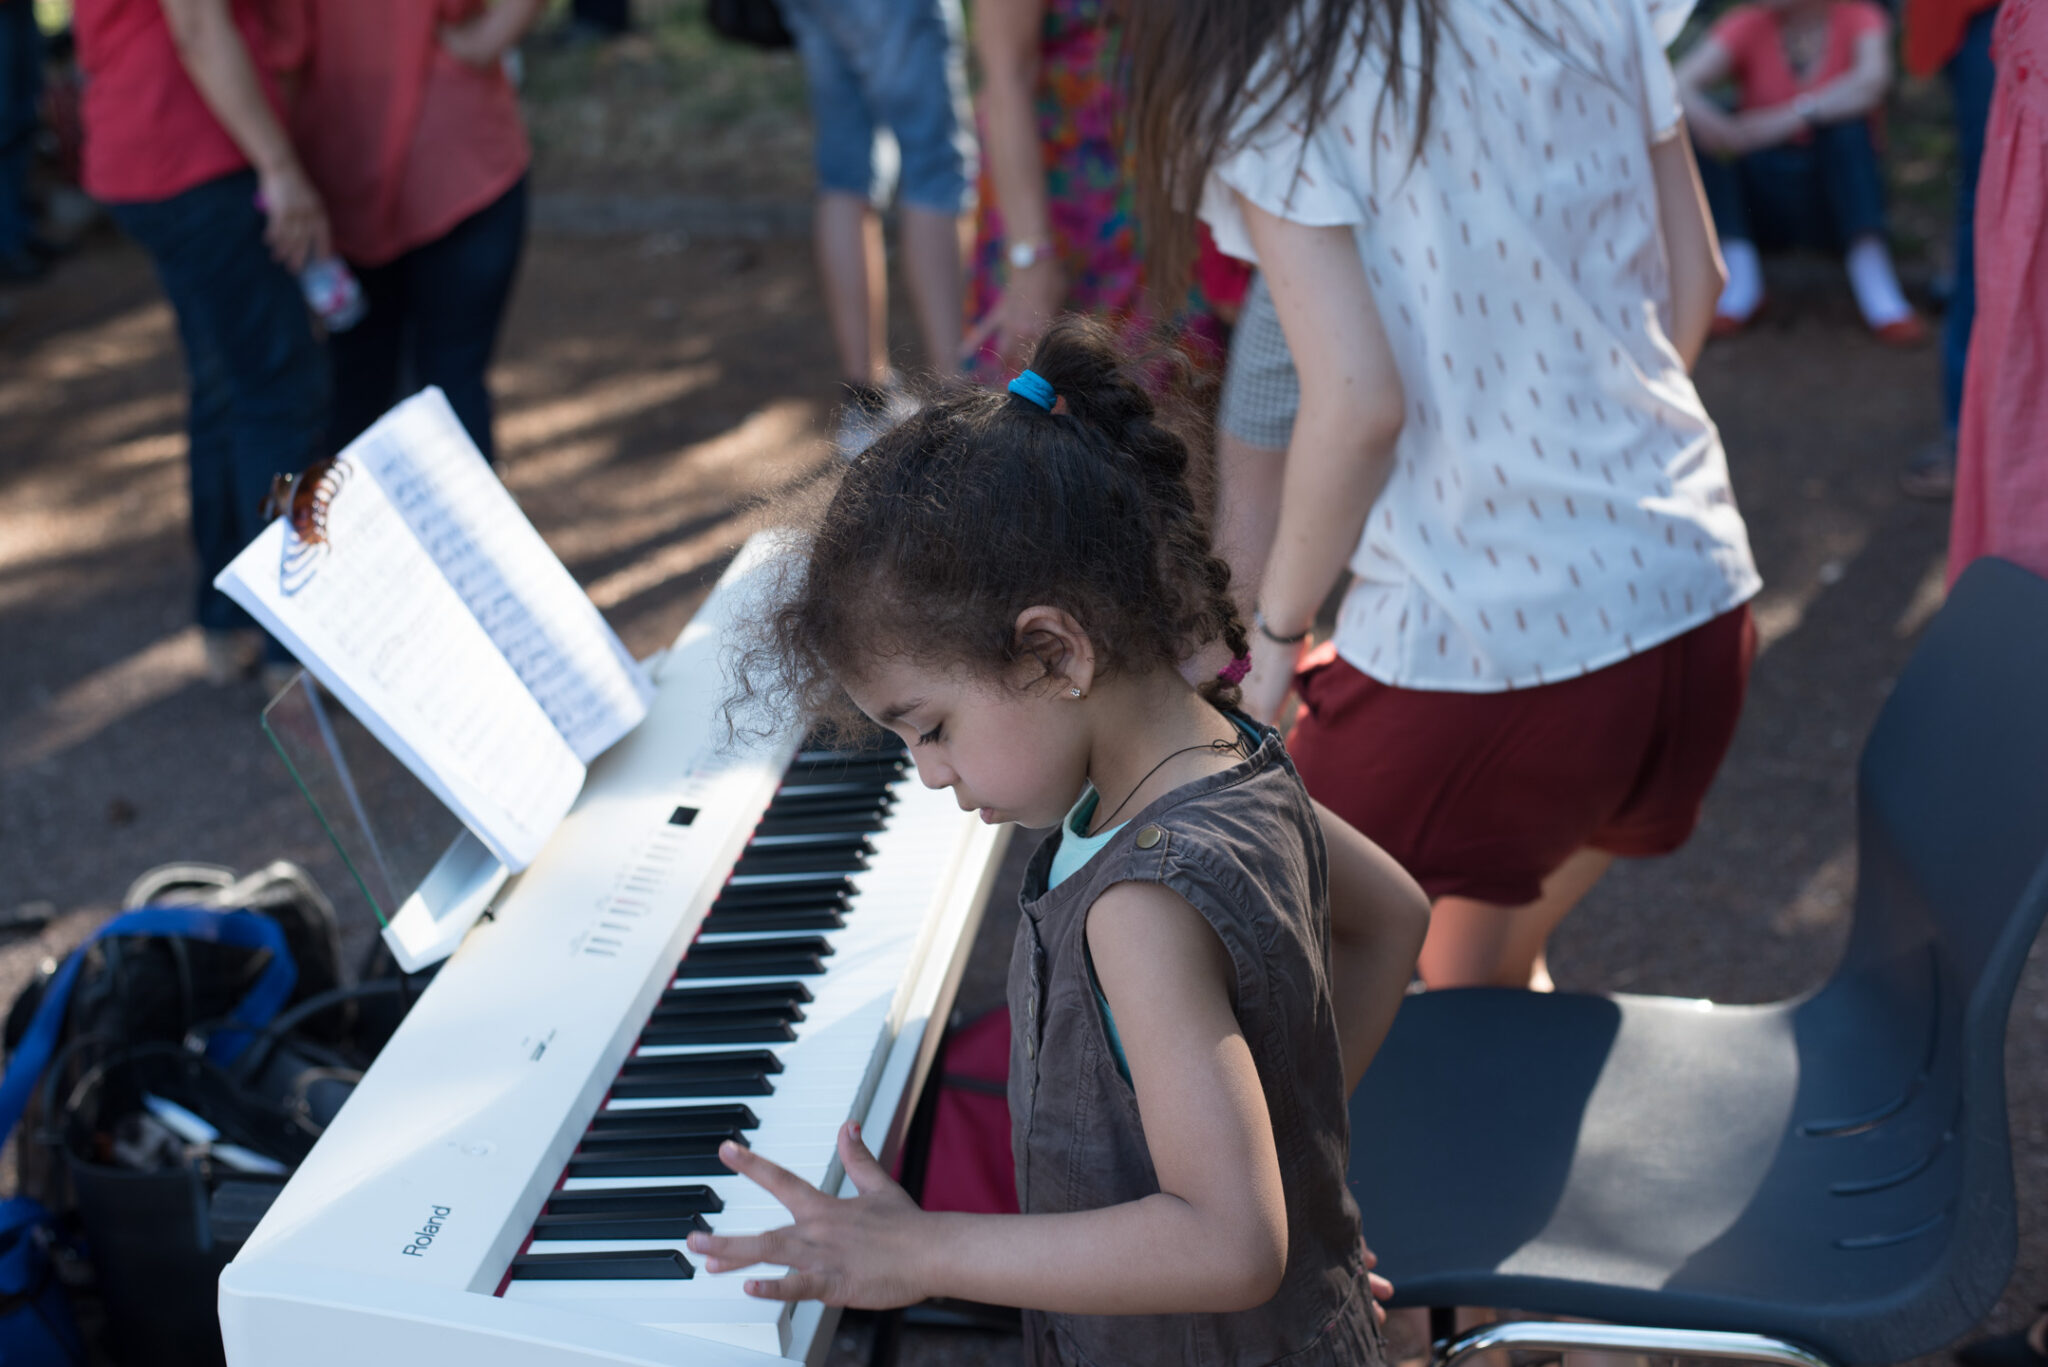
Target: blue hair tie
pixel 1031 385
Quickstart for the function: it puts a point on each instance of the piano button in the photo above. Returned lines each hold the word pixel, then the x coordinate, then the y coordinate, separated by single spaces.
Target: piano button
pixel 549 1228
pixel 694 1199
pixel 651 1264
pixel 694 1000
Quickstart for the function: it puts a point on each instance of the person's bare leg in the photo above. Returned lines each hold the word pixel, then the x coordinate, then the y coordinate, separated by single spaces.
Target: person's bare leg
pixel 932 267
pixel 1478 944
pixel 856 284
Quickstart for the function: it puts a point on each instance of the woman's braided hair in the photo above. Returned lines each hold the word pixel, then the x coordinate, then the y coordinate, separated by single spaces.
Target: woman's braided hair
pixel 982 504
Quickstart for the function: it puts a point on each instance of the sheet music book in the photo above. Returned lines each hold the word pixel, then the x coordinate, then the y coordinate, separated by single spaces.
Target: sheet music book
pixel 432 608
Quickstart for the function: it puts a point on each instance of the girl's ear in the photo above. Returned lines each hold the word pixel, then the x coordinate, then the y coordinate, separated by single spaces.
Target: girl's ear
pixel 1056 641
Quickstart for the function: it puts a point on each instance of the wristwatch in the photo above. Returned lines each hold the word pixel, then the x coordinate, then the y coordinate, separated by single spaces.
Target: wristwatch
pixel 1024 255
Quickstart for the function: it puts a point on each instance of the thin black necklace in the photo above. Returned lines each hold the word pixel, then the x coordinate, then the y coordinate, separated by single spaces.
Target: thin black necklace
pixel 1234 746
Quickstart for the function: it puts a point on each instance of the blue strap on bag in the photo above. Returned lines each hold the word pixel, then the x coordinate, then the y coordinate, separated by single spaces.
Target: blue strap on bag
pixel 36 1328
pixel 244 929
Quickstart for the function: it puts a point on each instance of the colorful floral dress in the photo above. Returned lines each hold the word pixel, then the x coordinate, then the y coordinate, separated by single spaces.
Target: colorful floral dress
pixel 1090 194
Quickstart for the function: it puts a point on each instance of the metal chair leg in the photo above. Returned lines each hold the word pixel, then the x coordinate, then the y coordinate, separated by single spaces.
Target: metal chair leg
pixel 1560 1337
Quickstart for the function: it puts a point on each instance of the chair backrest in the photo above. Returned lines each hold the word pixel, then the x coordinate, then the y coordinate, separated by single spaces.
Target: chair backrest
pixel 1952 796
pixel 1951 888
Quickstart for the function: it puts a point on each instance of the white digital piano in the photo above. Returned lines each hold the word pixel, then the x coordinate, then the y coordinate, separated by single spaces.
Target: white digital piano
pixel 722 939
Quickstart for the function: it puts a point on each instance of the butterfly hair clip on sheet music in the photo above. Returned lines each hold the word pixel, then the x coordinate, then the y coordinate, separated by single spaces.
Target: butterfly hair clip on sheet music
pixel 304 498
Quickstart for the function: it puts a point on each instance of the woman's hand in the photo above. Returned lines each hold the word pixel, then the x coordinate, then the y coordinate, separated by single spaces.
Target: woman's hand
pixel 1012 325
pixel 297 222
pixel 1266 687
pixel 863 1251
pixel 477 41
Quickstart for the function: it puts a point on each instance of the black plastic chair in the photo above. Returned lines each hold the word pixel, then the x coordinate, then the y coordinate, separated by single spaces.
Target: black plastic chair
pixel 1823 1177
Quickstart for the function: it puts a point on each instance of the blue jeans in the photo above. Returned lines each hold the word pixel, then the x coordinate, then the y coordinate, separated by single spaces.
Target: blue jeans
pixel 895 65
pixel 433 319
pixel 1824 194
pixel 21 83
pixel 1969 82
pixel 259 387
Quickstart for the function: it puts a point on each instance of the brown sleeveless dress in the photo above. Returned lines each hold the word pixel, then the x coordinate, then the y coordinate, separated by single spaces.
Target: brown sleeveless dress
pixel 1244 848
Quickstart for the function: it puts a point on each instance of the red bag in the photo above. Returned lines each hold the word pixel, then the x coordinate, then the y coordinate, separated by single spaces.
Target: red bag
pixel 969 1167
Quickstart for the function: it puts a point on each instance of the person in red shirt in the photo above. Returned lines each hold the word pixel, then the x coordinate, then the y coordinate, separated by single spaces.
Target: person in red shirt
pixel 1796 163
pixel 185 146
pixel 1954 38
pixel 410 127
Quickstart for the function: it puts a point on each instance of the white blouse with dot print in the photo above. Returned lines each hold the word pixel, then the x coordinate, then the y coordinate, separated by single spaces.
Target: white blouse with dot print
pixel 1560 499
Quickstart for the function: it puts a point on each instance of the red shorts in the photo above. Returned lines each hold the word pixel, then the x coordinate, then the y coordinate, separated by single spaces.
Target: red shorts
pixel 1482 795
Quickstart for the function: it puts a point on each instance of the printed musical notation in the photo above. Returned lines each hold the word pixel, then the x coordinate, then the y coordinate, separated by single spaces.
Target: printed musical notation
pixel 441 619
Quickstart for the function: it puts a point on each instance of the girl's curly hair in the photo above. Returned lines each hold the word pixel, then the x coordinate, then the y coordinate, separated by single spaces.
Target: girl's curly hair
pixel 982 504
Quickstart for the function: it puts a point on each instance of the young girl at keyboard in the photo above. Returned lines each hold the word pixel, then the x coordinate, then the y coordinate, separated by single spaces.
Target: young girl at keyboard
pixel 1205 961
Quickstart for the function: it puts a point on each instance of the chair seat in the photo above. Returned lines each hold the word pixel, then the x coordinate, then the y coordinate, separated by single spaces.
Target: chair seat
pixel 1789 1169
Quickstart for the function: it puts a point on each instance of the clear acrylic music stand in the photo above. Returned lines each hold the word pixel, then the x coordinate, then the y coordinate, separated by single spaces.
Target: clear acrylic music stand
pixel 425 876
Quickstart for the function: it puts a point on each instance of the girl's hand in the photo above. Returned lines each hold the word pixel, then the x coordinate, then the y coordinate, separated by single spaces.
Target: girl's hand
pixel 1265 689
pixel 1028 302
pixel 1382 1289
pixel 863 1251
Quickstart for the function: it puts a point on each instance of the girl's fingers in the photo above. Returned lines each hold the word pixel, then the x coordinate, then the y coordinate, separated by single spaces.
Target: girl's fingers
pixel 862 1168
pixel 797 1286
pixel 779 1182
pixel 725 1253
pixel 1382 1289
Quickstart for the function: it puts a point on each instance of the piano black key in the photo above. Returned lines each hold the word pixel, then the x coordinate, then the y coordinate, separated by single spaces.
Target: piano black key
pixel 872 768
pixel 651 1264
pixel 758 1028
pixel 790 792
pixel 799 956
pixel 772 919
pixel 607 1164
pixel 856 841
pixel 618 1226
pixel 679 1001
pixel 876 744
pixel 683 1200
pixel 825 882
pixel 651 1145
pixel 775 863
pixel 741 1072
pixel 876 805
pixel 774 824
pixel 675 1120
pixel 754 896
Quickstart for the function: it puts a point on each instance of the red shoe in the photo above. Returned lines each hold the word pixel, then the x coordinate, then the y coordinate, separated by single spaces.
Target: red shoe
pixel 1728 324
pixel 1908 331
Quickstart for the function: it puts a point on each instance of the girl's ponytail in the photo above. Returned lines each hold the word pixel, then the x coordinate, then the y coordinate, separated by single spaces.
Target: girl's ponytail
pixel 1079 358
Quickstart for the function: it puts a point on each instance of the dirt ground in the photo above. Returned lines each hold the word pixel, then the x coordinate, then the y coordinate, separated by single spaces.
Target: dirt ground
pixel 652 386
